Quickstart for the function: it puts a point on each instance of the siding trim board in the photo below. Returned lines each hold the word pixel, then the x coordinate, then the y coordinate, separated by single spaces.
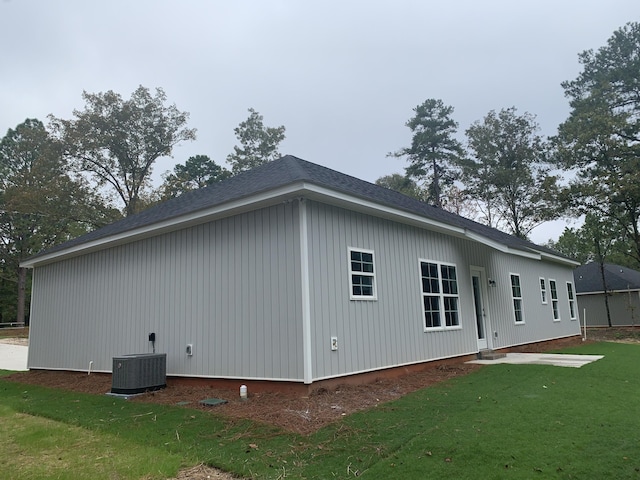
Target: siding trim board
pixel 306 294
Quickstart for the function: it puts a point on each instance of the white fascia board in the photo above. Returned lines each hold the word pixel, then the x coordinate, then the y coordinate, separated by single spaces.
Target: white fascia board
pixel 558 259
pixel 193 218
pixel 533 254
pixel 502 247
pixel 315 192
pixel 390 212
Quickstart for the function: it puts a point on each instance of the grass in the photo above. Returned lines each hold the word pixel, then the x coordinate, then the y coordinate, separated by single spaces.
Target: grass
pixel 39 448
pixel 504 421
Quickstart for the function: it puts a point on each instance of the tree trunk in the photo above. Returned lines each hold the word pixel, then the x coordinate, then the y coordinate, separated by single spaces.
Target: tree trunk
pixel 606 293
pixel 437 201
pixel 22 282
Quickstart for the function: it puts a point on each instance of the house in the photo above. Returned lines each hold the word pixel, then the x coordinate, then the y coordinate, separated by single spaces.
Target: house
pixel 622 293
pixel 293 272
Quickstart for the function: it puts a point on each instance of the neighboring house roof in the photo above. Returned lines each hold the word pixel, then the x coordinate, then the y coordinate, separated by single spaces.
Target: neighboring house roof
pixel 588 278
pixel 278 180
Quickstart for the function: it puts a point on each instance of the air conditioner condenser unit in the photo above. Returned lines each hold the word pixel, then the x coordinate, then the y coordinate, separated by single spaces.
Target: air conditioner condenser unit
pixel 137 373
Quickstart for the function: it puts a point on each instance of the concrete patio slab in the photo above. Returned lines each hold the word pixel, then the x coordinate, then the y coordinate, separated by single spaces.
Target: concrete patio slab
pixel 13 357
pixel 555 359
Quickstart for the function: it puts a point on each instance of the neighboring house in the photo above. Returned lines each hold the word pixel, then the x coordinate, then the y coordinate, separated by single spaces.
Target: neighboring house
pixel 293 272
pixel 622 290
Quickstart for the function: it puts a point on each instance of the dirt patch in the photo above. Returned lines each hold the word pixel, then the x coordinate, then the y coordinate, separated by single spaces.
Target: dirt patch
pixel 614 334
pixel 14 332
pixel 15 341
pixel 202 472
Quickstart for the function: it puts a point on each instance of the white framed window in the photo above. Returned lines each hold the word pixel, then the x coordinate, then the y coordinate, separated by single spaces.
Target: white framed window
pixel 516 294
pixel 554 300
pixel 362 274
pixel 572 301
pixel 440 301
pixel 543 290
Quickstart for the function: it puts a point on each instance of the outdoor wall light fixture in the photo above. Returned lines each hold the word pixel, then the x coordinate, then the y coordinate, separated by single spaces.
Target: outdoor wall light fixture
pixel 492 283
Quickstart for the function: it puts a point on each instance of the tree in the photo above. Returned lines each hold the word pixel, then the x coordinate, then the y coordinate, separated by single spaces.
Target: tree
pixel 401 183
pixel 601 138
pixel 117 141
pixel 508 172
pixel 40 204
pixel 258 144
pixel 434 152
pixel 197 172
pixel 597 241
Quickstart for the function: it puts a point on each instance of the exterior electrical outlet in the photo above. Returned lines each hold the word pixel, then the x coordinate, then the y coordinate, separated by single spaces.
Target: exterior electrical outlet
pixel 334 343
pixel 189 349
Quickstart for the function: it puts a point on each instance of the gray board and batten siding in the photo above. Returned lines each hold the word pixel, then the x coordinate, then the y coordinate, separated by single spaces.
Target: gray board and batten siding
pixel 623 294
pixel 254 274
pixel 389 331
pixel 624 309
pixel 231 288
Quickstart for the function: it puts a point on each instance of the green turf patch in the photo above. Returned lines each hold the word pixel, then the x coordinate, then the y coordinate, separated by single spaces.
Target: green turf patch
pixel 503 421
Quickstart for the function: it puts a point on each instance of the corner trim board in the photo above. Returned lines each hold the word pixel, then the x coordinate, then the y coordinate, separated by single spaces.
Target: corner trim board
pixel 306 294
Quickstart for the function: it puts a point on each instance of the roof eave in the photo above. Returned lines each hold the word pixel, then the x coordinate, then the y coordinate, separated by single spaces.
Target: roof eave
pixel 184 221
pixel 274 196
pixel 558 259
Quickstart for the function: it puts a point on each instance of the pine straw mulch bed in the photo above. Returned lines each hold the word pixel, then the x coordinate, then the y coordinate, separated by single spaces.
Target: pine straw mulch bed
pixel 294 413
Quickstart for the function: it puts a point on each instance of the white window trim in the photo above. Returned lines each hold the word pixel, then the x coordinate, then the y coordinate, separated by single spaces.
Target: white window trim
pixel 513 307
pixel 544 293
pixel 373 275
pixel 572 300
pixel 556 300
pixel 443 326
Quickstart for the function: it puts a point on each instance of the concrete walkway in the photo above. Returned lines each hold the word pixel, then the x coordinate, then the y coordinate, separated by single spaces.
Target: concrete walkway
pixel 13 357
pixel 556 359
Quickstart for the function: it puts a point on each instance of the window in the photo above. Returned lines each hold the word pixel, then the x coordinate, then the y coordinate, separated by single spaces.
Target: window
pixel 439 295
pixel 516 293
pixel 362 277
pixel 543 290
pixel 572 302
pixel 554 300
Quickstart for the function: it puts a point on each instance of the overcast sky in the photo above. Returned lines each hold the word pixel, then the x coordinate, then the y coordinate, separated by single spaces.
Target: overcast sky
pixel 341 76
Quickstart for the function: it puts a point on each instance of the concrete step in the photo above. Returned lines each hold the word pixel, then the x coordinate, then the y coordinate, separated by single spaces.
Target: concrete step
pixel 490 355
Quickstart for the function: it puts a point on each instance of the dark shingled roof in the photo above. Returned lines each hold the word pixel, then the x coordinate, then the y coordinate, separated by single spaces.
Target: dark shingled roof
pixel 588 278
pixel 280 173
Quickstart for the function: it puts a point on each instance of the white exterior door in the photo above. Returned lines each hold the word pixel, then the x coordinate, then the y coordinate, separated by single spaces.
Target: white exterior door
pixel 479 302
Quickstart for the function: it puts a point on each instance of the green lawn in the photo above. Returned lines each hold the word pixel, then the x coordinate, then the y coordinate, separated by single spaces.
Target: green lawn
pixel 504 421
